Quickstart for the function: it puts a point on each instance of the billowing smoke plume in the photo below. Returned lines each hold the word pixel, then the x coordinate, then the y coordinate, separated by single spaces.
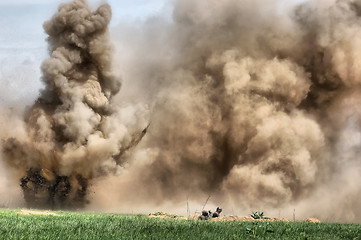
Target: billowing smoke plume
pixel 73 132
pixel 253 102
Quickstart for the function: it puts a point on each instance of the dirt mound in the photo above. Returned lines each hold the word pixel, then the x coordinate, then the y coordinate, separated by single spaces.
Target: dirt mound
pixel 218 219
pixel 312 220
pixel 247 219
pixel 165 215
pixel 28 212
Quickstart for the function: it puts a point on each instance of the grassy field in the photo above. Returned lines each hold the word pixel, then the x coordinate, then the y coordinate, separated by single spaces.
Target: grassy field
pixel 112 226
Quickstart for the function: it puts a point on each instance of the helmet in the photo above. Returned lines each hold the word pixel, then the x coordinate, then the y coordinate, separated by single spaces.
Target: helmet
pixel 219 209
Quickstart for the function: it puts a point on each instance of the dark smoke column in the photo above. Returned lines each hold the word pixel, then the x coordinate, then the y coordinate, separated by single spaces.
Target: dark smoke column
pixel 71 136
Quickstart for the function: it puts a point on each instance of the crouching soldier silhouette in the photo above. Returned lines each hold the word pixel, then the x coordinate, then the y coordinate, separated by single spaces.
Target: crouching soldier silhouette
pixel 206 215
pixel 217 212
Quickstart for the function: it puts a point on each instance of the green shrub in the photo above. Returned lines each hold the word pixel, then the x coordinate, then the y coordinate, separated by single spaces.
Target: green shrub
pixel 258 215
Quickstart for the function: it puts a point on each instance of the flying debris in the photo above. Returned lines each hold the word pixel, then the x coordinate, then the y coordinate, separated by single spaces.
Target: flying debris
pixel 255 102
pixel 73 135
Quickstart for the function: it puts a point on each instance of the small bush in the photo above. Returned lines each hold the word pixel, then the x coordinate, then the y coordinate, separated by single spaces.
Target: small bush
pixel 258 215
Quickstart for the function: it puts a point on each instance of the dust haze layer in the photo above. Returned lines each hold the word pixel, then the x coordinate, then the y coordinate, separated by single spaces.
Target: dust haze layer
pixel 253 102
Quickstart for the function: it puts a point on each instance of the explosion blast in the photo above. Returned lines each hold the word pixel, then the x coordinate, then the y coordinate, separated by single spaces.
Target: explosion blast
pixel 255 102
pixel 71 134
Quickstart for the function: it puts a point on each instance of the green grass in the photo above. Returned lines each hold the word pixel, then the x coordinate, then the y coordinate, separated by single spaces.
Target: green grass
pixel 114 226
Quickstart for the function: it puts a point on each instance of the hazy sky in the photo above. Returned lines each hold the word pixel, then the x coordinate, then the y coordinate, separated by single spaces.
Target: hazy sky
pixel 23 46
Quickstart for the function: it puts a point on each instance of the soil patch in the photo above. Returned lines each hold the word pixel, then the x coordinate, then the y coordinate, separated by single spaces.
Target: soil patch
pixel 312 220
pixel 29 212
pixel 227 218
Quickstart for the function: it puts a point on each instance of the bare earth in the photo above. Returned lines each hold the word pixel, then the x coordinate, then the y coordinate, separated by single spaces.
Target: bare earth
pixel 230 218
pixel 29 212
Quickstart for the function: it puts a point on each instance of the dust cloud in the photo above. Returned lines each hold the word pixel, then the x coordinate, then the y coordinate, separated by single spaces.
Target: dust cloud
pixel 254 103
pixel 73 133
